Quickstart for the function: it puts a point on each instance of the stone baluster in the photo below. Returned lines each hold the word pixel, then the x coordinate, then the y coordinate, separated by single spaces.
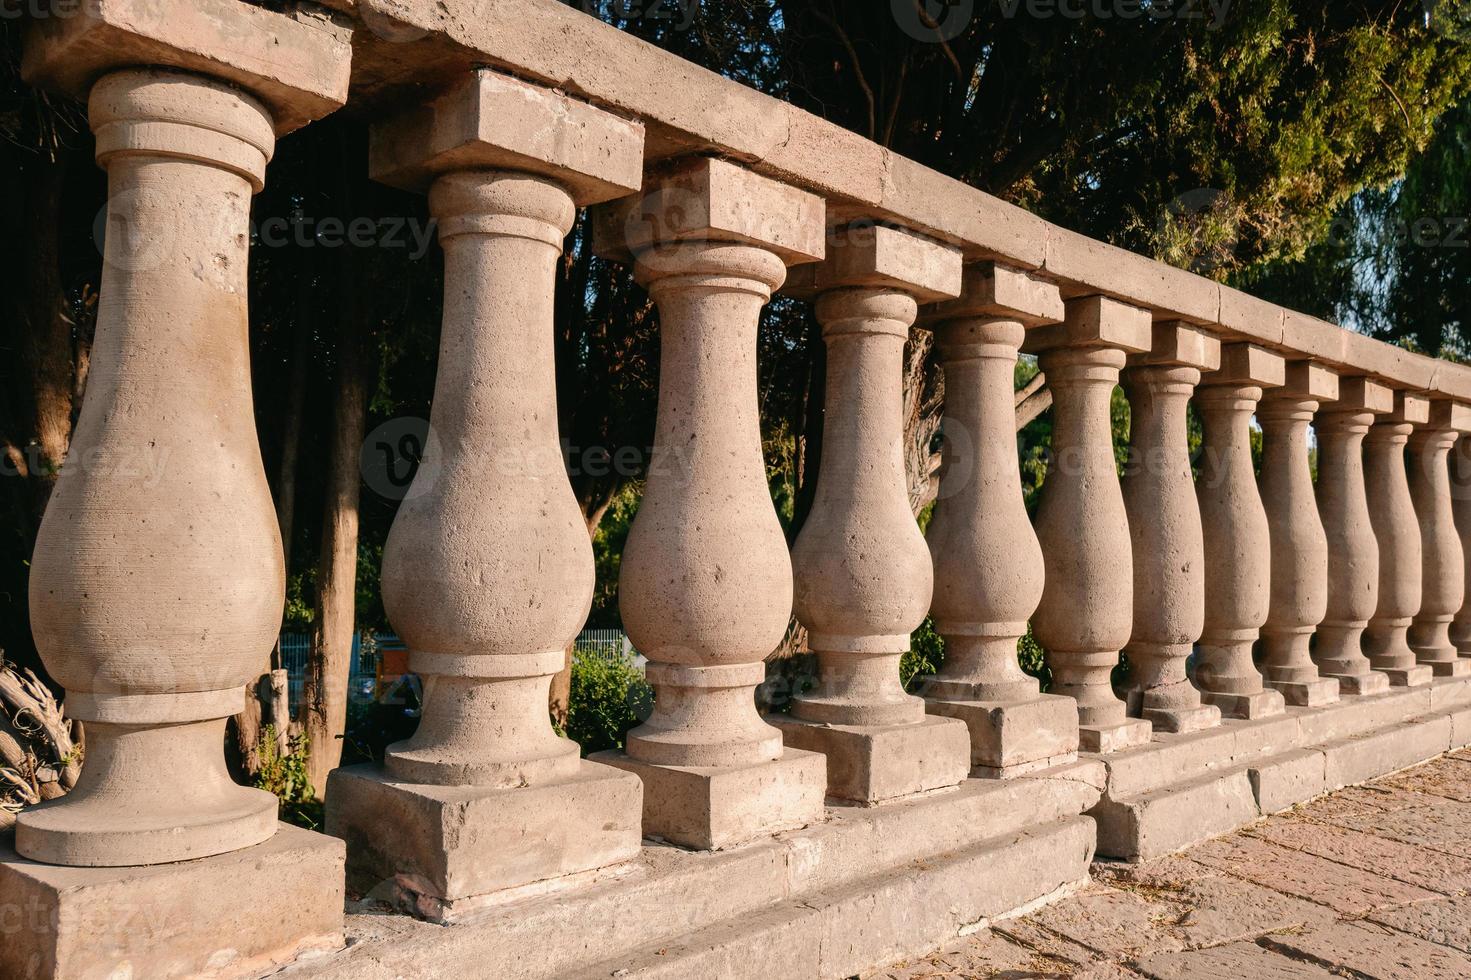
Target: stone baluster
pixel 862 572
pixel 1086 615
pixel 1392 514
pixel 706 581
pixel 157 582
pixel 988 566
pixel 1164 530
pixel 1237 536
pixel 1442 560
pixel 1353 553
pixel 488 571
pixel 1299 577
pixel 1460 477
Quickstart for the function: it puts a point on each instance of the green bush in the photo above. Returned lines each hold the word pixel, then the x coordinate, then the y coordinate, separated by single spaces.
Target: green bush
pixel 284 775
pixel 609 696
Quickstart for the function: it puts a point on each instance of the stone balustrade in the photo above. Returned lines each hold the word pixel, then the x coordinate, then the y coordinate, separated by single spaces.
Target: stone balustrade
pixel 1149 591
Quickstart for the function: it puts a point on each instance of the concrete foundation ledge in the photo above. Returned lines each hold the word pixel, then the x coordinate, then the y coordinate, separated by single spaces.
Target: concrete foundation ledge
pixel 864 887
pixel 1183 789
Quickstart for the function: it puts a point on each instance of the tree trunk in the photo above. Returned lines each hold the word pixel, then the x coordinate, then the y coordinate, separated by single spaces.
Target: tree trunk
pixel 325 708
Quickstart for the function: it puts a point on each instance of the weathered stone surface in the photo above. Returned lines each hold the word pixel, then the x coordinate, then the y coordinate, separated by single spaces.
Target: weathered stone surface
pixel 492 121
pixel 1348 891
pixel 1288 779
pixel 1446 922
pixel 1012 738
pixel 880 257
pixel 709 808
pixel 1377 855
pixel 1438 826
pixel 1157 823
pixel 242 914
pixel 452 847
pixel 1237 961
pixel 1376 951
pixel 1356 760
pixel 298 66
pixel 880 763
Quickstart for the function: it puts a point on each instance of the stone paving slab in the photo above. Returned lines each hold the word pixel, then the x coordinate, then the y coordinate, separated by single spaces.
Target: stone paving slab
pixel 1370 882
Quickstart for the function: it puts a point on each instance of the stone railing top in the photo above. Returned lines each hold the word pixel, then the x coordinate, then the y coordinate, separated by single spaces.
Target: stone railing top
pixel 404 49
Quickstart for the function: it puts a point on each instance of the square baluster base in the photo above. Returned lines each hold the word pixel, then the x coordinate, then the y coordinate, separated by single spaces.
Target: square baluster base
pixel 1361 685
pixel 1182 721
pixel 1416 676
pixel 441 852
pixel 1307 694
pixel 875 764
pixel 1103 739
pixel 1449 668
pixel 242 914
pixel 712 808
pixel 1015 738
pixel 1247 707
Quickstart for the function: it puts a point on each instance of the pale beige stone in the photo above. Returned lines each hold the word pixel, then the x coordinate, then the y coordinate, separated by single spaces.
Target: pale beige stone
pixel 297 66
pixel 1087 607
pixel 1443 570
pixel 488 570
pixel 1237 534
pixel 1353 551
pixel 492 121
pixel 706 580
pixel 862 573
pixel 1392 513
pixel 239 915
pixel 988 566
pixel 1245 317
pixel 155 595
pixel 1165 530
pixel 1299 544
pixel 866 255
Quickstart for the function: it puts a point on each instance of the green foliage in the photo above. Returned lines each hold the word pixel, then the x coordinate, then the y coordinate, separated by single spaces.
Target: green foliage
pixel 609 697
pixel 607 546
pixel 285 776
pixel 925 654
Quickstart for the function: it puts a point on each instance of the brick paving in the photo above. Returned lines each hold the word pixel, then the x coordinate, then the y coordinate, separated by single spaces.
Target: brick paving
pixel 1370 882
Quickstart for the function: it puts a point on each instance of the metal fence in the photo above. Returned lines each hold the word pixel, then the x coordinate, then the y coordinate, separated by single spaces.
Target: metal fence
pixel 366 650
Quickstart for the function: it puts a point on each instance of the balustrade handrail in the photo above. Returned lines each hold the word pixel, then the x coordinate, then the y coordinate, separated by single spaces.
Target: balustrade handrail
pixel 688 109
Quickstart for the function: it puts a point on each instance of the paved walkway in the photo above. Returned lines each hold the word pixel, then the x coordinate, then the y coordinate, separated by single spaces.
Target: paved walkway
pixel 1373 881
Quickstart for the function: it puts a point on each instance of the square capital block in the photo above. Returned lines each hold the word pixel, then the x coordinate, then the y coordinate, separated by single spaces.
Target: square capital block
pixel 1414 409
pixel 492 121
pixel 1448 415
pixel 1304 379
pixel 1248 364
pixel 1184 344
pixel 1365 394
pixel 706 199
pixel 992 290
pixel 1096 321
pixel 871 255
pixel 297 65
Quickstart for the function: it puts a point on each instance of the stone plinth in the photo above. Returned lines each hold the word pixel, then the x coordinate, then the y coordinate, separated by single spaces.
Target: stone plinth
pixel 1086 614
pixel 239 915
pixel 455 849
pixel 988 566
pixel 879 763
